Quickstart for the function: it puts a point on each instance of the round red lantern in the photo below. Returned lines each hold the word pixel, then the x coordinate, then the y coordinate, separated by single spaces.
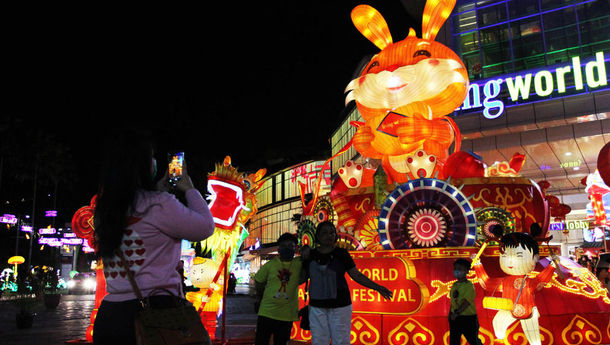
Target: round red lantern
pixel 603 163
pixel 463 164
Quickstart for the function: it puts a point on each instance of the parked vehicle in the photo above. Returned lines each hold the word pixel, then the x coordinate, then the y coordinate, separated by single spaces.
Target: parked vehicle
pixel 82 283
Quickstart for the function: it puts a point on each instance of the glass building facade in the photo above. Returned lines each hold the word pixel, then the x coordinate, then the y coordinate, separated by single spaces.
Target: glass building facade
pixel 279 198
pixel 342 135
pixel 507 36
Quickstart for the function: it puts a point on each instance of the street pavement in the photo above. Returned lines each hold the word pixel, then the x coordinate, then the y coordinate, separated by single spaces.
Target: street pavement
pixel 71 318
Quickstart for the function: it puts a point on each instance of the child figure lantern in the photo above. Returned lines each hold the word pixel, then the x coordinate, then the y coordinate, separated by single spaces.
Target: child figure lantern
pixel 518 258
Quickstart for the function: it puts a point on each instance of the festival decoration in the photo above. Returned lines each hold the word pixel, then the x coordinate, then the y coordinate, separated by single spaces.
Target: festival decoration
pixel 324 210
pixel 413 208
pixel 519 255
pixel 489 217
pixel 15 260
pixel 205 275
pixel 351 174
pixel 422 165
pixel 504 168
pixel 522 197
pixel 232 202
pixel 464 164
pixel 425 207
pixel 406 91
pixel 423 314
pixel 599 195
pixel 306 233
pixel 603 163
pixel 82 226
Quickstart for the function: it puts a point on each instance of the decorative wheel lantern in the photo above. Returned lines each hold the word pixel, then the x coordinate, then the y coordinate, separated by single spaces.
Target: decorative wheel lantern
pixel 306 233
pixel 324 211
pixel 490 216
pixel 426 213
pixel 347 241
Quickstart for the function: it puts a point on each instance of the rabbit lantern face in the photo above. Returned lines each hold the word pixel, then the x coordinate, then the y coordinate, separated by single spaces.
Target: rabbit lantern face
pixel 406 91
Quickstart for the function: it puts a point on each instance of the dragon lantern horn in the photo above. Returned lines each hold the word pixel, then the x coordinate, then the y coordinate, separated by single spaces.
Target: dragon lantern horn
pixel 257 179
pixel 227 161
pixel 371 25
pixel 436 13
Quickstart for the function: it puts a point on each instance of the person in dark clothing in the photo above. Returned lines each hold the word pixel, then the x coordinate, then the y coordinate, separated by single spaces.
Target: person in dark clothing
pixel 232 283
pixel 463 313
pixel 330 305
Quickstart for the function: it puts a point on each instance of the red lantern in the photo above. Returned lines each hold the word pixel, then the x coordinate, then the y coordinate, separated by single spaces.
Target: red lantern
pixel 553 202
pixel 603 164
pixel 463 164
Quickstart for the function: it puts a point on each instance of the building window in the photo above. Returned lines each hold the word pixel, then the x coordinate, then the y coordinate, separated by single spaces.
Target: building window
pixel 499 37
pixel 341 137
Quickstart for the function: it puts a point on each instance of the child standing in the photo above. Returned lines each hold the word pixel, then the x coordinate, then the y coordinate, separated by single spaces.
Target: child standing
pixel 463 313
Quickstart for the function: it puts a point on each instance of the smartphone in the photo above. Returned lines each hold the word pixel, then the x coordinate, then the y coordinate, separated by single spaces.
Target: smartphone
pixel 176 161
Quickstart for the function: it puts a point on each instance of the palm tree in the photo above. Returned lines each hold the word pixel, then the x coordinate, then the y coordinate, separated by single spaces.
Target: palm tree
pixel 36 156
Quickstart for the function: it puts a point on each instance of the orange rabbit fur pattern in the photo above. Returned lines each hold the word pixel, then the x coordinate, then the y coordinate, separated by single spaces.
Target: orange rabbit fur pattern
pixel 406 91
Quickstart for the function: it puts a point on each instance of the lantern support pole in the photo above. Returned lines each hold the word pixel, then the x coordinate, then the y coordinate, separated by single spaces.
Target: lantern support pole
pixel 224 296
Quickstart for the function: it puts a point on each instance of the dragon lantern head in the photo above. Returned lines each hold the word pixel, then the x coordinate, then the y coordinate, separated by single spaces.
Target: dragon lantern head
pixel 232 194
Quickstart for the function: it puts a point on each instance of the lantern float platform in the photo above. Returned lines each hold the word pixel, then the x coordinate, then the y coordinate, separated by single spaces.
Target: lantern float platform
pixel 574 310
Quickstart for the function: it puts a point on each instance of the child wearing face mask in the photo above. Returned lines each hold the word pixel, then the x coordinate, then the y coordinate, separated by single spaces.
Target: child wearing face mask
pixel 277 284
pixel 463 313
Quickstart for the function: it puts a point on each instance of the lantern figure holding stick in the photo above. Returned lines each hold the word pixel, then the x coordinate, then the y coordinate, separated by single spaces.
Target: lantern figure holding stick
pixel 519 255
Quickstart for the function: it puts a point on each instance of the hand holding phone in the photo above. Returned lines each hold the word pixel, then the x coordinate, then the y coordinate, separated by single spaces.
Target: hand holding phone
pixel 176 167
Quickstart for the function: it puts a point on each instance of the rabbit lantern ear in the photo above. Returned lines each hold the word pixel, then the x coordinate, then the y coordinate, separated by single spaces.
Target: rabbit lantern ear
pixel 371 25
pixel 436 13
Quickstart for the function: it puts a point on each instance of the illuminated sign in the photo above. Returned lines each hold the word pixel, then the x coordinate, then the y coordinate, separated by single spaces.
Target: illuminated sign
pixel 50 241
pixel 543 83
pixel 71 241
pixel 8 219
pixel 26 228
pixel 397 274
pixel 47 231
pixel 69 235
pixel 86 247
pixel 569 225
pixel 51 213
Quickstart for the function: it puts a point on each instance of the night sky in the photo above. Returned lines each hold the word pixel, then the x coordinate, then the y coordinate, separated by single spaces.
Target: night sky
pixel 261 81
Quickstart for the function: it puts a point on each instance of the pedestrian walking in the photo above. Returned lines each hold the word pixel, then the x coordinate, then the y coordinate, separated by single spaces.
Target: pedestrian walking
pixel 330 305
pixel 277 284
pixel 143 224
pixel 463 318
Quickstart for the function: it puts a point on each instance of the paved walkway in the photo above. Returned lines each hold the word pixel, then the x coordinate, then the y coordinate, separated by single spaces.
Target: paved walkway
pixel 68 321
pixel 71 318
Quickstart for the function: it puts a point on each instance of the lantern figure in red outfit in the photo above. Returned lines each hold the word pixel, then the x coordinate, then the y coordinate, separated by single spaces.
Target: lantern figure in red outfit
pixel 519 255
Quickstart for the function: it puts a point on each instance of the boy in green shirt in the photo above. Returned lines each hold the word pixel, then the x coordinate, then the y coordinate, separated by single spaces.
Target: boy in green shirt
pixel 277 285
pixel 463 313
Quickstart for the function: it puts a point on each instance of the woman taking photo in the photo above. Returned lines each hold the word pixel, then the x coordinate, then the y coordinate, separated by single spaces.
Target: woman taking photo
pixel 143 223
pixel 330 304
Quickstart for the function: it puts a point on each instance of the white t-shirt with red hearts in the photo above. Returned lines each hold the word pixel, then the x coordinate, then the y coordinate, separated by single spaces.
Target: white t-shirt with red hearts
pixel 151 243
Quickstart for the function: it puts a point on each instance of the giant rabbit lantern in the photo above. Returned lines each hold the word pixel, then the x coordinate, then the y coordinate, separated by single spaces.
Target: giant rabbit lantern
pixel 406 91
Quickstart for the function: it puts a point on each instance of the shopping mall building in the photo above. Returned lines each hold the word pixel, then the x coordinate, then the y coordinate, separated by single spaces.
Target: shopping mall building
pixel 538 85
